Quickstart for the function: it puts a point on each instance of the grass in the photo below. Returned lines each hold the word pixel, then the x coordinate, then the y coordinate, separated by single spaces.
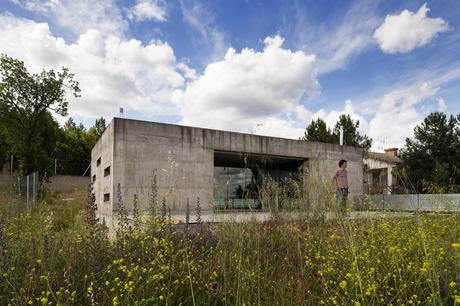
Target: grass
pixel 56 254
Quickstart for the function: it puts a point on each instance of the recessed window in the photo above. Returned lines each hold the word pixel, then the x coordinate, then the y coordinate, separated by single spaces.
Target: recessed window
pixel 107 171
pixel 94 178
pixel 106 197
pixel 98 162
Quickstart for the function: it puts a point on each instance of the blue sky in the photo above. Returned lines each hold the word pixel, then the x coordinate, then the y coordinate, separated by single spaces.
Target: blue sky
pixel 242 64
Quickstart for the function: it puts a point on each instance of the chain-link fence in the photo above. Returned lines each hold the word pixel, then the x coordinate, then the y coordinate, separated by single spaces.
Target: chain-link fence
pixel 28 187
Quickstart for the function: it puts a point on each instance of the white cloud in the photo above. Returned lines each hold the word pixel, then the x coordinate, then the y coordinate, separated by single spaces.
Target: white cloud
pixel 397 115
pixel 80 16
pixel 442 106
pixel 332 117
pixel 147 10
pixel 407 31
pixel 41 6
pixel 112 72
pixel 251 87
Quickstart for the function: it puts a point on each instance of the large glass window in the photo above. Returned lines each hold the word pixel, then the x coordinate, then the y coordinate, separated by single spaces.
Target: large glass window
pixel 233 188
pixel 238 177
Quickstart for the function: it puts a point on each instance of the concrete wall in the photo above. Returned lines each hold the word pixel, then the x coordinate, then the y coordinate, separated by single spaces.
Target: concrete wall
pixel 64 183
pixel 103 150
pixel 183 158
pixel 59 183
pixel 6 179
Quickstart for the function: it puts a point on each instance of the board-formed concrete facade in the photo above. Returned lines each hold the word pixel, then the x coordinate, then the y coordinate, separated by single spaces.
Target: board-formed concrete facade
pixel 183 159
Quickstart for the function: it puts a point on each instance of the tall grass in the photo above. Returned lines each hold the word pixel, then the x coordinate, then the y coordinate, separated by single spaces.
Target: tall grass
pixel 57 253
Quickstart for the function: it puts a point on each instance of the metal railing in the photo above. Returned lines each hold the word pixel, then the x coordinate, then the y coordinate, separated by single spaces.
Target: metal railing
pixel 28 187
pixel 415 202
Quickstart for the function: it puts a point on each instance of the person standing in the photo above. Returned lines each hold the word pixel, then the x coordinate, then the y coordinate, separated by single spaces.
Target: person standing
pixel 341 182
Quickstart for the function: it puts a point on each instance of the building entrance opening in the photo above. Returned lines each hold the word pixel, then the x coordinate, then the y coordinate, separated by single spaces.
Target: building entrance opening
pixel 238 177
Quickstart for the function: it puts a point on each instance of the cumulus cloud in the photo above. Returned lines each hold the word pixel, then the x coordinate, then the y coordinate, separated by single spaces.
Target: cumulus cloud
pixel 250 87
pixel 397 115
pixel 147 10
pixel 332 117
pixel 112 72
pixel 407 31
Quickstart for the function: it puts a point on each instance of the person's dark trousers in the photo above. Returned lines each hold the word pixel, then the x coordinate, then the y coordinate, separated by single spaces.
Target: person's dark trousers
pixel 341 205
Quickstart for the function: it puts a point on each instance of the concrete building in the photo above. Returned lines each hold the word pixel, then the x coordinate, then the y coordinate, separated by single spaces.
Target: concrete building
pixel 379 177
pixel 216 166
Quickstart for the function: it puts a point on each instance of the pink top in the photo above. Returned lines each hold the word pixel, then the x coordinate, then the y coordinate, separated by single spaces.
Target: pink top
pixel 341 178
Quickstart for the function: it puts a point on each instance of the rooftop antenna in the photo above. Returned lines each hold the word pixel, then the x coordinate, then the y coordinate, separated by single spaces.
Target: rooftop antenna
pixel 121 112
pixel 255 128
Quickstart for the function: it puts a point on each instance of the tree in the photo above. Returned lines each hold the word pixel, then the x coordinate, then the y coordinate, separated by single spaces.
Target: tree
pixel 98 128
pixel 431 161
pixel 25 100
pixel 317 130
pixel 73 151
pixel 351 135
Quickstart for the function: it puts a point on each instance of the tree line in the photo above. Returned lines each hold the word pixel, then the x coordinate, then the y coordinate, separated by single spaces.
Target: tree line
pixel 430 160
pixel 28 130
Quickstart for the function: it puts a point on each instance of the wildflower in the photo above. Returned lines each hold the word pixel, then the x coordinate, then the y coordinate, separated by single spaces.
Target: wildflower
pixel 115 301
pixel 452 284
pixel 343 284
pixel 44 300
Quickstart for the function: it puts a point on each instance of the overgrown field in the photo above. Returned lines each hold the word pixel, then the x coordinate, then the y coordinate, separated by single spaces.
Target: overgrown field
pixel 58 254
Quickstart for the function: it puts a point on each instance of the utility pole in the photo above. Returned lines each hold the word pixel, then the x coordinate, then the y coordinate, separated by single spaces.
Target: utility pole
pixel 341 135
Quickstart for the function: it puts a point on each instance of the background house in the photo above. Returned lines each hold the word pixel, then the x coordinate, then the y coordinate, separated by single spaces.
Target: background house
pixel 378 172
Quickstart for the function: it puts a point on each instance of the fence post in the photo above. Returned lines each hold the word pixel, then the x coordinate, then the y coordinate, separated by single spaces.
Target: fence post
pixel 34 188
pixel 27 184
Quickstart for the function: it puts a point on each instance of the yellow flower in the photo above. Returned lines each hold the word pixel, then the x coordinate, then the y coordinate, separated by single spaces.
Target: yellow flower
pixel 343 284
pixel 456 245
pixel 115 301
pixel 452 284
pixel 162 298
pixel 44 300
